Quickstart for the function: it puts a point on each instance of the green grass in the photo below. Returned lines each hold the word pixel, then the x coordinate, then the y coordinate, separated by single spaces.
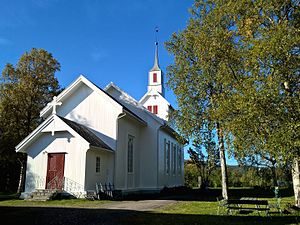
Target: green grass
pixel 181 213
pixel 204 212
pixel 78 203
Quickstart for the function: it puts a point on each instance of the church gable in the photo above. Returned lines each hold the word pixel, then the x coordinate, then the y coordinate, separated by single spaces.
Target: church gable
pixel 85 103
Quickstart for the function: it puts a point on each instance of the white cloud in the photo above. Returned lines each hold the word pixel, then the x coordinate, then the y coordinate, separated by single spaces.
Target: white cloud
pixel 4 41
pixel 98 56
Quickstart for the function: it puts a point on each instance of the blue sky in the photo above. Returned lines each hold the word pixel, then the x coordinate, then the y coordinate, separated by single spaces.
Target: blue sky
pixel 103 40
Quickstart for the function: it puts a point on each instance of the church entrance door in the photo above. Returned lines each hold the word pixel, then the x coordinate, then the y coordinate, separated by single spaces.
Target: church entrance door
pixel 55 171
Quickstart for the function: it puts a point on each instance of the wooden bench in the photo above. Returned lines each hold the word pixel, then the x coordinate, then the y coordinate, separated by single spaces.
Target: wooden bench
pixel 231 205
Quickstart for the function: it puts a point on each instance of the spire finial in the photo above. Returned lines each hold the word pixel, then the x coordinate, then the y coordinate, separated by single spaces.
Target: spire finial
pixel 156 34
pixel 156 66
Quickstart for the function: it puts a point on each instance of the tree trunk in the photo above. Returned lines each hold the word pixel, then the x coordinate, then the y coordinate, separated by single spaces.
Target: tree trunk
pixel 296 180
pixel 22 175
pixel 274 176
pixel 223 162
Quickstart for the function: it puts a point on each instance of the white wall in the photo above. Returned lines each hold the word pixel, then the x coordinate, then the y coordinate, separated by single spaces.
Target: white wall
pixel 123 180
pixel 170 179
pixel 61 142
pixel 93 109
pixel 106 168
pixel 159 85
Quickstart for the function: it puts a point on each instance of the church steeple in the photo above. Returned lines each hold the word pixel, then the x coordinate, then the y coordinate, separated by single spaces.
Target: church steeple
pixel 154 100
pixel 156 65
pixel 155 81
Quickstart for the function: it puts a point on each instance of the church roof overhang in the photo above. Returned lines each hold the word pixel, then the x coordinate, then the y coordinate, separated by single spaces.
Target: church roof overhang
pixel 138 119
pixel 125 108
pixel 33 134
pixel 70 126
pixel 87 134
pixel 168 129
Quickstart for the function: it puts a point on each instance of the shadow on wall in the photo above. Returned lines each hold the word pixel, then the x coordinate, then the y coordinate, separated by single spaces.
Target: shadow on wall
pixel 111 142
pixel 79 119
pixel 32 181
pixel 45 140
pixel 79 96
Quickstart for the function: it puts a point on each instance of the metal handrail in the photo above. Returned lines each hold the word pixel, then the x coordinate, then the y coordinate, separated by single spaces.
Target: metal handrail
pixel 39 182
pixel 72 187
pixel 56 182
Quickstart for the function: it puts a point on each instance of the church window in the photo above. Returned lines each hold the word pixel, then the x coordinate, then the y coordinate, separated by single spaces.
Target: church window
pixel 167 157
pixel 155 109
pixel 97 164
pixel 179 160
pixel 174 159
pixel 130 154
pixel 154 77
pixel 149 108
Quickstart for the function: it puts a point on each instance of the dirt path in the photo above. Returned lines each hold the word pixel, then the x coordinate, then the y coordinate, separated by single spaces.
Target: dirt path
pixel 143 205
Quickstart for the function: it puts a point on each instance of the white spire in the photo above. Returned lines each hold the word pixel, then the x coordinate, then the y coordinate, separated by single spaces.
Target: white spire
pixel 156 65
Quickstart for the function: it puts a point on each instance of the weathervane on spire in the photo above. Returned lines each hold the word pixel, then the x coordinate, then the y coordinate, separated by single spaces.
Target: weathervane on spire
pixel 156 34
pixel 156 65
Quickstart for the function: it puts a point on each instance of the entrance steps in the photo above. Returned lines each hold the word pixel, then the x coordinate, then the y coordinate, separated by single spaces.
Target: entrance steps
pixel 43 195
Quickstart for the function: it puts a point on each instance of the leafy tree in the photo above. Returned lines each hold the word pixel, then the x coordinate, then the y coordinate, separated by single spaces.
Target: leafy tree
pixel 205 156
pixel 24 91
pixel 191 174
pixel 237 63
pixel 257 160
pixel 204 56
pixel 261 110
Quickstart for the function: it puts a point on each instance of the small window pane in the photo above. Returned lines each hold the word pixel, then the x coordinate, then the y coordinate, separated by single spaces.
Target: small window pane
pixel 154 77
pixel 155 109
pixel 97 164
pixel 130 154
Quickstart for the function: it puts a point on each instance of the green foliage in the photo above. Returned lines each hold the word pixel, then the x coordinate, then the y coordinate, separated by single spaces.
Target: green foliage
pixel 205 156
pixel 24 91
pixel 237 65
pixel 240 176
pixel 191 174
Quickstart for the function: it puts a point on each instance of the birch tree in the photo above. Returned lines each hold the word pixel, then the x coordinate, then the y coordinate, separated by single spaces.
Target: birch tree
pixel 237 65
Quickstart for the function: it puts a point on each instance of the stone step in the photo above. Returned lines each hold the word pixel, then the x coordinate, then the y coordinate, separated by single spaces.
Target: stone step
pixel 43 195
pixel 38 199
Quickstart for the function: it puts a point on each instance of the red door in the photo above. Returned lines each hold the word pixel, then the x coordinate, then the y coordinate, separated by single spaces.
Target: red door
pixel 55 171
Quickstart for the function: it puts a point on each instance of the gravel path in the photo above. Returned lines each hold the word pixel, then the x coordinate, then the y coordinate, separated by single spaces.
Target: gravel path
pixel 143 205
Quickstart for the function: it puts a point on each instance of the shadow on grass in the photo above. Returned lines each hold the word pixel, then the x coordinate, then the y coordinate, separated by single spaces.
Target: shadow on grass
pixel 72 216
pixel 210 194
pixel 8 196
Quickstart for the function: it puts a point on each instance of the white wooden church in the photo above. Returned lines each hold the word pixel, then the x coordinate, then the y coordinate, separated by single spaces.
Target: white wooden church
pixel 91 135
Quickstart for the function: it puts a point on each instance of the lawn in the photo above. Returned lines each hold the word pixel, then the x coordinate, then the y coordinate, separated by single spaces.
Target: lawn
pixel 88 212
pixel 202 212
pixel 81 203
